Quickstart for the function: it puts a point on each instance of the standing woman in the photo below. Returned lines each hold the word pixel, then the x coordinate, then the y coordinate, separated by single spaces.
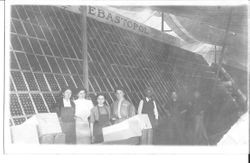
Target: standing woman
pixel 66 110
pixel 100 118
pixel 83 107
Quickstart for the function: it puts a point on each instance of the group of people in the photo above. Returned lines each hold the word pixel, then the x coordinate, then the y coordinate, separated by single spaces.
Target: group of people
pixel 186 120
pixel 82 121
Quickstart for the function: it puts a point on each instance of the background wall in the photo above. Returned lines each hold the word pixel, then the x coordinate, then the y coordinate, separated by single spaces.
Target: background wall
pixel 46 56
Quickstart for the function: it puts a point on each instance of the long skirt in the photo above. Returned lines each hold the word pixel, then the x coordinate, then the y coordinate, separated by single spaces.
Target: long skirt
pixel 68 129
pixel 82 132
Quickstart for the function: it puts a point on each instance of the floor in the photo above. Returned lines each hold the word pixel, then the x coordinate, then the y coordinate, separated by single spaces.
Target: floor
pixel 168 133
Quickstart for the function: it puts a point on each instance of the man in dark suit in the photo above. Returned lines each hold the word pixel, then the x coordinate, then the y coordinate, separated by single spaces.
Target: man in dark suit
pixel 199 130
pixel 175 111
pixel 148 106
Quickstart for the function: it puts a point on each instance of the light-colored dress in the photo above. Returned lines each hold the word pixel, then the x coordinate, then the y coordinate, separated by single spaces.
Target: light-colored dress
pixel 82 112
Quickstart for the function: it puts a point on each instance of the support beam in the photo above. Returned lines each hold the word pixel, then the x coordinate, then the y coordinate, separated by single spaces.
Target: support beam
pixel 162 21
pixel 215 54
pixel 85 46
pixel 222 51
pixel 224 42
pixel 225 37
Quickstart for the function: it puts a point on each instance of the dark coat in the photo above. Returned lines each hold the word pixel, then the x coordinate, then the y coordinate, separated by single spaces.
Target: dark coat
pixel 59 105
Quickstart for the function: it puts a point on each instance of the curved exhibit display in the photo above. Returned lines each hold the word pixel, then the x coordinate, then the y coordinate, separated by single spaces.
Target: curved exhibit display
pixel 129 128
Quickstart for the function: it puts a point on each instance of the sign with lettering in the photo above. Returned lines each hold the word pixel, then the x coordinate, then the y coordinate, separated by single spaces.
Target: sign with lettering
pixel 104 15
pixel 113 18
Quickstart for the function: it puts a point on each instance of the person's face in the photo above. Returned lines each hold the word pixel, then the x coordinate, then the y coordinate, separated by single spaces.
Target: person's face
pixel 196 94
pixel 174 96
pixel 81 94
pixel 119 94
pixel 100 100
pixel 67 94
pixel 148 93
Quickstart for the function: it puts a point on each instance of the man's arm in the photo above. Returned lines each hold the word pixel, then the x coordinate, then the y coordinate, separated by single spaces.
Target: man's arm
pixel 140 107
pixel 112 112
pixel 155 111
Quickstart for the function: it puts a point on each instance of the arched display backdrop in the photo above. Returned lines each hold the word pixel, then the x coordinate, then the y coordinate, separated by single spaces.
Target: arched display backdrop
pixel 46 56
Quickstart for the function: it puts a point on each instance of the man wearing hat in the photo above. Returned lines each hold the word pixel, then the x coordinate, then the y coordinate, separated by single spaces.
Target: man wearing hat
pixel 176 123
pixel 148 106
pixel 122 109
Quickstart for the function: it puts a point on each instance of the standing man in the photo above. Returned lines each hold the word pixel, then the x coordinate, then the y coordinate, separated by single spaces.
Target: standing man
pixel 122 109
pixel 199 131
pixel 148 106
pixel 177 134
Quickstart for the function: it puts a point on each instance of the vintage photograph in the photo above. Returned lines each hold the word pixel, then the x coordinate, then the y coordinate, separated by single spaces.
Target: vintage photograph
pixel 167 75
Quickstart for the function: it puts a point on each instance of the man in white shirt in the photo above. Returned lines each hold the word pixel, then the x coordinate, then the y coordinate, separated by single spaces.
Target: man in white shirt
pixel 148 106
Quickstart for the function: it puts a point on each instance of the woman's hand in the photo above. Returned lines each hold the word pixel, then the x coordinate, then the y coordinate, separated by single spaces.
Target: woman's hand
pixel 110 123
pixel 113 118
pixel 76 117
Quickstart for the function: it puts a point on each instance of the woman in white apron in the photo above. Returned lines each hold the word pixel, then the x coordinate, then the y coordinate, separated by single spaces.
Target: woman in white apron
pixel 83 107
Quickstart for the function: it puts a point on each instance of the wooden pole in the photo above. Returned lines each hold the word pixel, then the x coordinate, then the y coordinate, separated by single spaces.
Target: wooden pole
pixel 225 37
pixel 85 46
pixel 162 21
pixel 215 55
pixel 220 59
pixel 224 42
